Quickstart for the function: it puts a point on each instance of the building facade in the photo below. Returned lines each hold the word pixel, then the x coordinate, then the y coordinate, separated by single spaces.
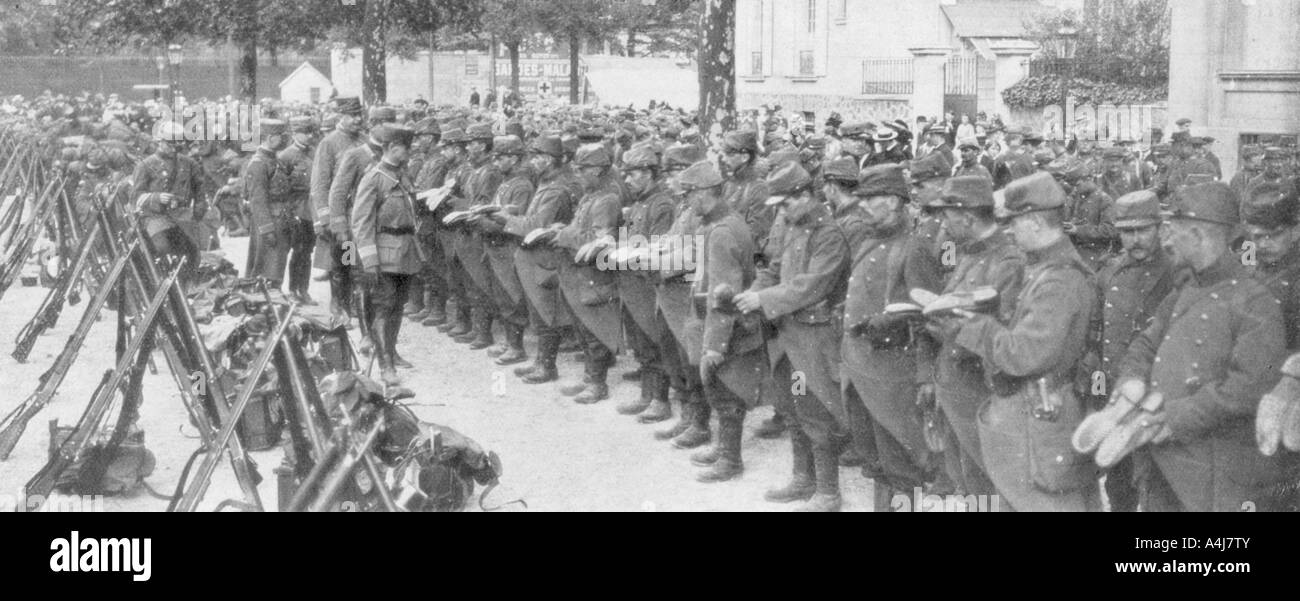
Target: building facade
pixel 880 60
pixel 1235 72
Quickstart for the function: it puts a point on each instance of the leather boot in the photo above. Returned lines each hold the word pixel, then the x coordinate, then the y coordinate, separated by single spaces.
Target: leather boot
pixel 731 428
pixel 803 482
pixel 459 326
pixel 400 362
pixel 698 434
pixel 383 356
pixel 660 409
pixel 423 306
pixel 771 429
pixel 543 370
pixel 684 420
pixel 826 462
pixel 575 389
pixel 515 352
pixel 707 457
pixel 634 375
pixel 483 331
pixel 636 406
pixel 594 393
pixel 851 457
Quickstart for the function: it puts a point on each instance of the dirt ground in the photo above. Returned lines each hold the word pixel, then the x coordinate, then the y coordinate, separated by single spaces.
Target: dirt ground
pixel 557 456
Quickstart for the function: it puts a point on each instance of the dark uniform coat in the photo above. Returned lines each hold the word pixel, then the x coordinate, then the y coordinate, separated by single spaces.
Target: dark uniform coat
pixel 539 268
pixel 800 290
pixel 1213 350
pixel 1093 214
pixel 383 222
pixel 960 387
pixel 673 292
pixel 727 257
pixel 513 196
pixel 343 191
pixel 592 293
pixel 885 373
pixel 180 176
pixel 1031 461
pixel 325 166
pixel 748 194
pixel 478 189
pixel 1283 280
pixel 650 216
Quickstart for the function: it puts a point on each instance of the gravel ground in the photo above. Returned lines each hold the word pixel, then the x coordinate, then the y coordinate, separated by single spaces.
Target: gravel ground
pixel 558 456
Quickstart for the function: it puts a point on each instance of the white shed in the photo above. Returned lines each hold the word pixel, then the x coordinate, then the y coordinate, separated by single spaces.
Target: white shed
pixel 306 84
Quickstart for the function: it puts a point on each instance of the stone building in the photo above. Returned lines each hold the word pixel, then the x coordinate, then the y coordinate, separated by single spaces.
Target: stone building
pixel 1235 72
pixel 882 59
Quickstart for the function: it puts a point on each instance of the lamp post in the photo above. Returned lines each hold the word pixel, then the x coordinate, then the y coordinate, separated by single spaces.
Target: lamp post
pixel 175 55
pixel 161 62
pixel 1068 43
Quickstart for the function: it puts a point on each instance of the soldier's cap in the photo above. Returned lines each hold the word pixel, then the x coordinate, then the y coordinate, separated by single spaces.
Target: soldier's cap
pixel 329 122
pixel 808 157
pixel 1069 169
pixel 383 114
pixel 1271 205
pixel 392 133
pixel 641 157
pixel 1184 122
pixel 835 120
pixel 885 135
pixel 1035 193
pixel 1212 202
pixel 970 145
pixel 1016 132
pixel 507 145
pixel 741 141
pixel 348 105
pixel 883 180
pixel 1114 153
pixel 816 143
pixel 428 127
pixel 590 135
pixel 593 155
pixel 1275 152
pixel 1137 210
pixel 1201 140
pixel 97 159
pixel 700 176
pixel 928 168
pixel 480 132
pixel 965 192
pixel 571 145
pixel 1044 157
pixel 787 179
pixel 775 136
pixel 453 135
pixel 1033 136
pixel 842 170
pixel 782 157
pixel 302 124
pixel 549 145
pixel 272 127
pixel 672 132
pixel 857 130
pixel 682 156
pixel 1180 136
pixel 1161 150
pixel 515 128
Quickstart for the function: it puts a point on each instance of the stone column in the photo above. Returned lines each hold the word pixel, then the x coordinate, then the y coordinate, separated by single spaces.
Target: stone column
pixel 928 80
pixel 1010 68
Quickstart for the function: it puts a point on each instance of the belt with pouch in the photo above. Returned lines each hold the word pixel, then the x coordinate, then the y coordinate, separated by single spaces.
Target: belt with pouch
pixel 398 231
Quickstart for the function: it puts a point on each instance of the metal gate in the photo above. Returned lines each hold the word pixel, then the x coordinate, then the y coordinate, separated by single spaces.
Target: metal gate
pixel 964 78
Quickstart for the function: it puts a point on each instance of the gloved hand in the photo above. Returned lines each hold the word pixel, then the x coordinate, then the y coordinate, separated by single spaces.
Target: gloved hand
pixel 709 365
pixel 925 397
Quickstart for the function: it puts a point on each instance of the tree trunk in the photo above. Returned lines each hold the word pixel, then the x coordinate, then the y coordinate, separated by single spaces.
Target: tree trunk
pixel 374 55
pixel 631 43
pixel 513 47
pixel 245 38
pixel 575 78
pixel 248 70
pixel 717 66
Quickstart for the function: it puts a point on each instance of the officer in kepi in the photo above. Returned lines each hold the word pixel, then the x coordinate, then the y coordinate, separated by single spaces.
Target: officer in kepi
pixel 383 226
pixel 267 192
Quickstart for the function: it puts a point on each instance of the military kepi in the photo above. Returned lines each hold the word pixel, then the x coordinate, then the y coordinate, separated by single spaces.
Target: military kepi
pixel 1036 193
pixel 1137 210
pixel 1212 202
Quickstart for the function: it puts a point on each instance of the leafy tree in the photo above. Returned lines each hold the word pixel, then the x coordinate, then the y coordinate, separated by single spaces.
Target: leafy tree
pixel 1120 41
